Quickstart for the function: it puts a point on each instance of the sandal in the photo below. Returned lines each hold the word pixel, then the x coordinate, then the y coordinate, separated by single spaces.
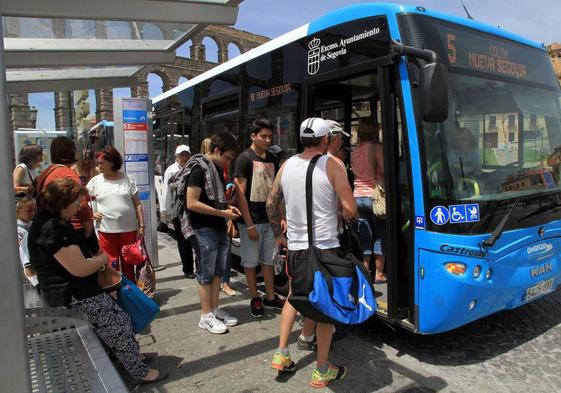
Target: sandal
pixel 146 358
pixel 229 291
pixel 161 376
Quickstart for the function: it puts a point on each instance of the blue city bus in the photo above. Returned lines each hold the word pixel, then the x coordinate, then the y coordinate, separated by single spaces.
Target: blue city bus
pixel 471 131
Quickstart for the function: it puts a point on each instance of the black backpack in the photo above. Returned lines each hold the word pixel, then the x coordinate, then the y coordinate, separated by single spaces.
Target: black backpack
pixel 178 188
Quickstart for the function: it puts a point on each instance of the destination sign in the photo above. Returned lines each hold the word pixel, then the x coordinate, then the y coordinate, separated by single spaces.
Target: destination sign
pixel 466 48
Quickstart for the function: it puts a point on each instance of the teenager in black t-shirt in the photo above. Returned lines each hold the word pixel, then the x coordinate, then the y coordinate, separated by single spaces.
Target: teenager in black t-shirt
pixel 254 175
pixel 208 215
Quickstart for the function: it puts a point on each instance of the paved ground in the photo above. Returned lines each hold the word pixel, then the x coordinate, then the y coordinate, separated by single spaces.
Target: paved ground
pixel 516 351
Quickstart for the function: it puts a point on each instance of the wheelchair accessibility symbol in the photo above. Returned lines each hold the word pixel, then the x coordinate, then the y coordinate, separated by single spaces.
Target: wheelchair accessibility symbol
pixel 439 215
pixel 457 214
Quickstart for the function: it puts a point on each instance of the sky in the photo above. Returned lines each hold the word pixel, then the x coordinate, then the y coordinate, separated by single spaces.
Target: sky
pixel 539 20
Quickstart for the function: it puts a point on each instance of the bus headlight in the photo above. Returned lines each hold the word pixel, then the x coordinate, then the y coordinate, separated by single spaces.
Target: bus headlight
pixel 456 268
pixel 476 271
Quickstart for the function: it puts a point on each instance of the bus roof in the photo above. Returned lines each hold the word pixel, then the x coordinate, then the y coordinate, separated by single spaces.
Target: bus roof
pixel 337 17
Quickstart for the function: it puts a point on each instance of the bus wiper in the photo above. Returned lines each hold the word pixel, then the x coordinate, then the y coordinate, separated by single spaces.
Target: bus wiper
pixel 497 232
pixel 541 210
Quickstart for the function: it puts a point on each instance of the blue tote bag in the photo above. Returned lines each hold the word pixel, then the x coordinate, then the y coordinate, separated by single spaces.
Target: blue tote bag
pixel 141 309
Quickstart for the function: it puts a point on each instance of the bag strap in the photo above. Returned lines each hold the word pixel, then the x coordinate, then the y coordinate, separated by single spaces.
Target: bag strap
pixel 309 198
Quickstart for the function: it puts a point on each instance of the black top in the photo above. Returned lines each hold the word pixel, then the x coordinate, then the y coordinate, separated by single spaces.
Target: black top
pixel 197 179
pixel 47 235
pixel 260 174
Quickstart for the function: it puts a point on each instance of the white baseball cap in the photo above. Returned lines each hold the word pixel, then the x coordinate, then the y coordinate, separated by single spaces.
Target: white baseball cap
pixel 181 149
pixel 335 127
pixel 314 127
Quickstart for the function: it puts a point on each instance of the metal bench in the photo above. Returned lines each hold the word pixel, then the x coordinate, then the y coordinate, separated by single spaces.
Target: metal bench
pixel 64 353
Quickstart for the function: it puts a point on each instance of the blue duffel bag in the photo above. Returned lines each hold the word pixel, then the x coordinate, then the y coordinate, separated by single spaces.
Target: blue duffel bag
pixel 329 286
pixel 141 309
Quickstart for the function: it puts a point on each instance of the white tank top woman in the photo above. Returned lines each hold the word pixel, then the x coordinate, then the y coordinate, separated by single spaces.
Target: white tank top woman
pixel 325 214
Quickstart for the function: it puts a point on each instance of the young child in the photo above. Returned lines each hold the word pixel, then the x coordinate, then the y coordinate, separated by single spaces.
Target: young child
pixel 25 212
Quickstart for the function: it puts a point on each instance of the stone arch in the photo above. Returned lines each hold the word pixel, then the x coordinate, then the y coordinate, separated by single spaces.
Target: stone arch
pixel 155 88
pixel 212 46
pixel 184 49
pixel 234 49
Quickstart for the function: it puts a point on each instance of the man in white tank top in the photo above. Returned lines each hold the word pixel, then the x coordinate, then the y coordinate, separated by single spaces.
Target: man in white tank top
pixel 330 187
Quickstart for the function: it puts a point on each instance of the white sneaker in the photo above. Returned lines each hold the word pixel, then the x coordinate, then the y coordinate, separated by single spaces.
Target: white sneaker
pixel 225 317
pixel 213 325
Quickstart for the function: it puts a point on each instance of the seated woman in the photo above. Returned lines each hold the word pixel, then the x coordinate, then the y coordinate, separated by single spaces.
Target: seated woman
pixel 67 274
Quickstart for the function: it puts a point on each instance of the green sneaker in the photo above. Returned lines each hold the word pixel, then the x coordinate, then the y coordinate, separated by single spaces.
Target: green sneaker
pixel 333 373
pixel 282 363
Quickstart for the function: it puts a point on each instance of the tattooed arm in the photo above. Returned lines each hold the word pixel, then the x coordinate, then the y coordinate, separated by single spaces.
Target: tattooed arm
pixel 276 209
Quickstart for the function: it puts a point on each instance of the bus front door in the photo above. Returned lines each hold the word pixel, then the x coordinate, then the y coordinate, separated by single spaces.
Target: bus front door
pixel 347 100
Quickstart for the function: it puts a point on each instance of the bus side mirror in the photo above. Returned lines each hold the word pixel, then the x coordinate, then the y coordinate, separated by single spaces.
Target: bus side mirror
pixel 434 92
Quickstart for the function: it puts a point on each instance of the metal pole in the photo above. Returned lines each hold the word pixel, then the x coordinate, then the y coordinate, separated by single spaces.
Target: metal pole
pixel 14 372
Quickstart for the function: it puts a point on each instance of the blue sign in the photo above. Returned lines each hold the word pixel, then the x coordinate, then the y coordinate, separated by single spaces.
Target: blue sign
pixel 133 116
pixel 136 157
pixel 457 214
pixel 472 212
pixel 439 215
pixel 420 222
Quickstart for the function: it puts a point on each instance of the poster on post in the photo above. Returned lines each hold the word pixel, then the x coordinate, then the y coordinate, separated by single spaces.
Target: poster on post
pixel 133 136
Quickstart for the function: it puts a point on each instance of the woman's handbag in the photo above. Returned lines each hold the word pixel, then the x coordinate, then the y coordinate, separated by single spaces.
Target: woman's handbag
pixel 379 201
pixel 133 253
pixel 327 287
pixel 145 275
pixel 109 279
pixel 141 309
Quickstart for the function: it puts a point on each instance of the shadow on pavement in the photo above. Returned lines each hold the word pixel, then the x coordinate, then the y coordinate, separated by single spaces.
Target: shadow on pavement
pixel 474 343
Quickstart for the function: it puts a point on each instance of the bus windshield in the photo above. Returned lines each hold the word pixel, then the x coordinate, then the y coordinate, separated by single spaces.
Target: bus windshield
pixel 502 140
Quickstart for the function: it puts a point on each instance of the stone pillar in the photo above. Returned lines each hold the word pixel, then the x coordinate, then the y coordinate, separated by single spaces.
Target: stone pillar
pixel 104 104
pixel 140 90
pixel 198 52
pixel 65 116
pixel 20 114
pixel 222 56
pixel 167 83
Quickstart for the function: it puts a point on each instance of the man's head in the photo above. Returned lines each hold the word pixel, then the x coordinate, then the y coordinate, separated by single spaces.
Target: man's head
pixel 63 151
pixel 182 154
pixel 223 149
pixel 314 132
pixel 336 134
pixel 261 134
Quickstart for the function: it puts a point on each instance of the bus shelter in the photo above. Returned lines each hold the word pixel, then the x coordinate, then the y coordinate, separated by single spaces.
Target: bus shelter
pixel 61 45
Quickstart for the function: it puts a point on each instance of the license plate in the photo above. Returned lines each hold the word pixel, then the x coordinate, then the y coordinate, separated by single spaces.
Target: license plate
pixel 539 289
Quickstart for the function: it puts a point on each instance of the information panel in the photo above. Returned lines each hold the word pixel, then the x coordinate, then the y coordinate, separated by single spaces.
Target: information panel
pixel 133 138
